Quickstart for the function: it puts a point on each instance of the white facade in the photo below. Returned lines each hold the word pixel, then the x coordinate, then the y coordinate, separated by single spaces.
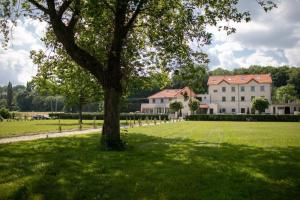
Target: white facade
pixel 236 98
pixel 159 103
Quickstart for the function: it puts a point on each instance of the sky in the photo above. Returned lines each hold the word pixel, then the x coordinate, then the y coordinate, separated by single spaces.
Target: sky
pixel 271 38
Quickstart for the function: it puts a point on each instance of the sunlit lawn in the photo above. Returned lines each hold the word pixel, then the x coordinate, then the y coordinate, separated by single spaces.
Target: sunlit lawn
pixel 186 160
pixel 15 128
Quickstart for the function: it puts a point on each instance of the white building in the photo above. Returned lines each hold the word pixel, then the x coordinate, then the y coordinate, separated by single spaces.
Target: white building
pixel 159 102
pixel 226 94
pixel 233 94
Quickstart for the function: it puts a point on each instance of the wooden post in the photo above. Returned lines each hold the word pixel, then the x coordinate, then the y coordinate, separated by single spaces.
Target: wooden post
pixel 94 123
pixel 59 125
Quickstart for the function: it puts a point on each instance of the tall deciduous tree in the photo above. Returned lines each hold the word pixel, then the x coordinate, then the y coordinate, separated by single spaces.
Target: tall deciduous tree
pixel 9 96
pixel 286 93
pixel 193 76
pixel 112 39
pixel 60 75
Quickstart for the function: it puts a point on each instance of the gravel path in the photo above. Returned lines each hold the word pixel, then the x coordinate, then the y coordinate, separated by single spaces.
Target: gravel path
pixel 38 136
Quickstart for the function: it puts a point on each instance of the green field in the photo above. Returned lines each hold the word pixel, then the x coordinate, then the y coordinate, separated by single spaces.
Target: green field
pixel 16 128
pixel 185 160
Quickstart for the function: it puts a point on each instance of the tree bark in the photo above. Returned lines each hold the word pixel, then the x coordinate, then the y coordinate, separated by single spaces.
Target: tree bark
pixel 111 139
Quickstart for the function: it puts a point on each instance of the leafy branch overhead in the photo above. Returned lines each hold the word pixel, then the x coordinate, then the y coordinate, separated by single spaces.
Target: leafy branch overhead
pixel 143 32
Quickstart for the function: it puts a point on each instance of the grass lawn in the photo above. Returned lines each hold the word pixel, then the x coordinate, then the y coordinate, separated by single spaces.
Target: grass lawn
pixel 16 128
pixel 185 160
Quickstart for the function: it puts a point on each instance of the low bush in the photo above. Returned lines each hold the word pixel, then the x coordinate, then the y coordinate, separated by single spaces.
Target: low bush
pixel 279 118
pixel 100 116
pixel 4 113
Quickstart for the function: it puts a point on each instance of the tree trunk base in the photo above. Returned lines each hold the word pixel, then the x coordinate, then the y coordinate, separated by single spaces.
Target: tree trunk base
pixel 112 145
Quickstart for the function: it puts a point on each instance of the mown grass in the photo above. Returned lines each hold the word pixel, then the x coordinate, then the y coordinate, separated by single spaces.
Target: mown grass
pixel 17 128
pixel 186 160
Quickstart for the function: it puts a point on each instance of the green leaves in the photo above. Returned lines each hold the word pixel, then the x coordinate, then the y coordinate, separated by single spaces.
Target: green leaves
pixel 260 104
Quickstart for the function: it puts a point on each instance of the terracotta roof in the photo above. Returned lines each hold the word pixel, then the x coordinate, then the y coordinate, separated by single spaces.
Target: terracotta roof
pixel 204 106
pixel 171 93
pixel 240 79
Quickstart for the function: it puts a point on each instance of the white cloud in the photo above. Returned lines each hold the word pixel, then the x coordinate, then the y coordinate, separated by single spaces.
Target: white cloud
pixel 271 38
pixel 15 63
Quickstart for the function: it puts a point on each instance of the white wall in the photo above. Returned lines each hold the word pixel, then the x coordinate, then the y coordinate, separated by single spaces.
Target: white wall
pixel 228 105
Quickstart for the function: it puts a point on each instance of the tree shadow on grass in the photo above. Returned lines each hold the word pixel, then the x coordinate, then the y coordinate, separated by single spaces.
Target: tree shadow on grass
pixel 152 168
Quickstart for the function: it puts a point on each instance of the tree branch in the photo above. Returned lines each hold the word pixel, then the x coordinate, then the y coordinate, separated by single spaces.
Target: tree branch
pixel 39 6
pixel 134 16
pixel 75 15
pixel 64 7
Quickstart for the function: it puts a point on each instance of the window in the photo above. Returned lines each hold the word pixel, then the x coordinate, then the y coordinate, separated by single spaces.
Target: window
pixel 232 89
pixel 252 88
pixel 243 110
pixel 170 99
pixel 223 99
pixel 233 110
pixel 242 88
pixel 223 89
pixel 262 88
pixel 215 91
pixel 223 110
pixel 200 98
pixel 252 97
pixel 233 99
pixel 161 100
pixel 153 100
pixel 242 98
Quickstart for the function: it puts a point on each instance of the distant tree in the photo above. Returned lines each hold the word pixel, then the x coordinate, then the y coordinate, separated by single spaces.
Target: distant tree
pixel 294 78
pixel 61 76
pixel 176 106
pixel 260 104
pixel 220 71
pixel 9 96
pixel 286 93
pixel 193 76
pixel 24 101
pixel 194 105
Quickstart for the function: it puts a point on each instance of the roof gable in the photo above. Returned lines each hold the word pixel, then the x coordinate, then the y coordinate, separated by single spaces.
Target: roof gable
pixel 172 93
pixel 240 79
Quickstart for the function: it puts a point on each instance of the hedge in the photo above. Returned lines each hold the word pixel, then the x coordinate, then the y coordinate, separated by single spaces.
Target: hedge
pixel 278 118
pixel 99 116
pixel 4 113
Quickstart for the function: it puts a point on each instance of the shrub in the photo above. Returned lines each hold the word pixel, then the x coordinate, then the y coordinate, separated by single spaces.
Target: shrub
pixel 260 104
pixel 194 105
pixel 279 118
pixel 100 116
pixel 4 113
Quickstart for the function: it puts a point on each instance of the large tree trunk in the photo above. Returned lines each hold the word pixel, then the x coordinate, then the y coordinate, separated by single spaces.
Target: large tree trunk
pixel 111 138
